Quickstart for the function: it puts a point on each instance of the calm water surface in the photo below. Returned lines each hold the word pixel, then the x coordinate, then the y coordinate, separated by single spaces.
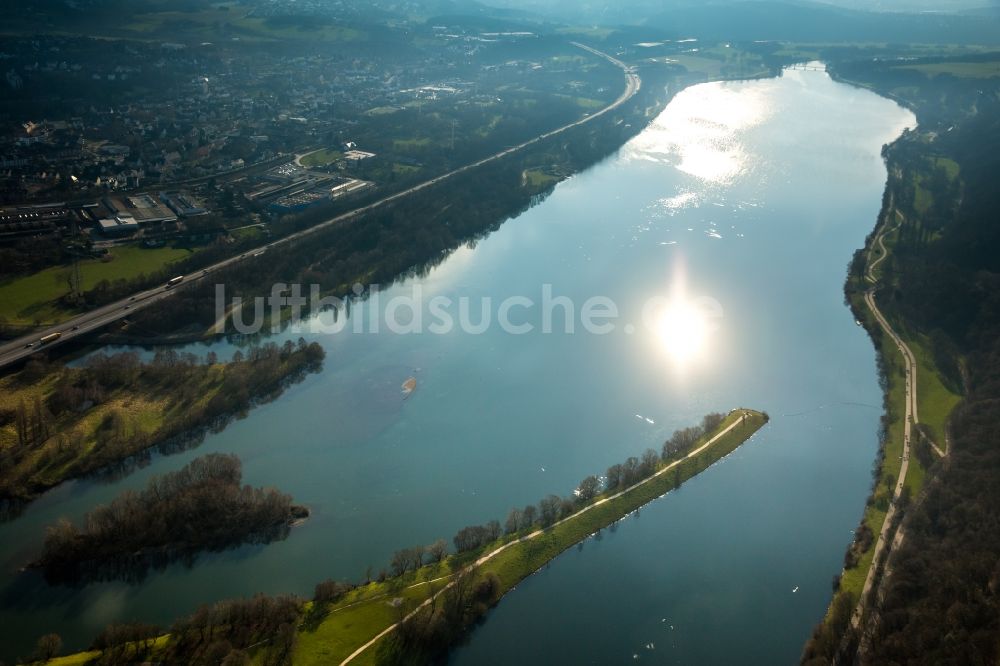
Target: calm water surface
pixel 751 194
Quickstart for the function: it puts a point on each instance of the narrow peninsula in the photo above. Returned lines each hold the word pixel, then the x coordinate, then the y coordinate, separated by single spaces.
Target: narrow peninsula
pixel 415 610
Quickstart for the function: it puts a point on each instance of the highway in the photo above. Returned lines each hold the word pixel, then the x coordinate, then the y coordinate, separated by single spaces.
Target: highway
pixel 86 323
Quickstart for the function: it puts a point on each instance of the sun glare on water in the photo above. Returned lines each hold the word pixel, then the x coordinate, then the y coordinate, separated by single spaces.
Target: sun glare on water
pixel 682 327
pixel 700 132
pixel 683 332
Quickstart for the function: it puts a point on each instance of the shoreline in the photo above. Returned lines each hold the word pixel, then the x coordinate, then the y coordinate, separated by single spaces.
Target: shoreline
pixel 511 566
pixel 899 370
pixel 177 431
pixel 651 110
pixel 344 630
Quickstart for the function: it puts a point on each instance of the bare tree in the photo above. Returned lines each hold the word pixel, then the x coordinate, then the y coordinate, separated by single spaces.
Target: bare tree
pixel 614 477
pixel 566 507
pixel 493 530
pixel 588 488
pixel 438 550
pixel 400 562
pixel 548 510
pixel 649 461
pixel 513 523
pixel 48 646
pixel 528 515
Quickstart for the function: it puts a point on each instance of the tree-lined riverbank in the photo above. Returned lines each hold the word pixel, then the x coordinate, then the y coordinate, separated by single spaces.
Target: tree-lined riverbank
pixel 419 614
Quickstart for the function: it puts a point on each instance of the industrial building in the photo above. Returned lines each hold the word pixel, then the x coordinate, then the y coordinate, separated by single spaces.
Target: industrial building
pixel 120 224
pixel 183 204
pixel 143 208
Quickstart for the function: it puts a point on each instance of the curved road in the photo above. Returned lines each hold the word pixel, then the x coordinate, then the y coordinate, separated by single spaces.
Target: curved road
pixel 910 419
pixel 88 322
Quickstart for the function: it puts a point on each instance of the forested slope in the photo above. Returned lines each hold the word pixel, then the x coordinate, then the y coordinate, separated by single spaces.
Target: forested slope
pixel 940 602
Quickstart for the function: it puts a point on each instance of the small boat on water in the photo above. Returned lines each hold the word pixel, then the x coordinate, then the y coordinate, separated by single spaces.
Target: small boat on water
pixel 408 386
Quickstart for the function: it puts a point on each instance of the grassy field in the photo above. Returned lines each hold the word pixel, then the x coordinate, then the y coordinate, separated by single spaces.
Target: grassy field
pixel 232 21
pixel 404 169
pixel 949 165
pixel 589 103
pixel 78 659
pixel 538 179
pixel 410 144
pixel 77 437
pixel 719 63
pixel 964 70
pixel 321 157
pixel 164 21
pixel 935 401
pixel 382 111
pixel 32 298
pixel 922 197
pixel 593 32
pixel 693 63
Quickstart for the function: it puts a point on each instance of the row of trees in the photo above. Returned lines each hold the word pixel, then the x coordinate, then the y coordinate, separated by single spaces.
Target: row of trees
pixel 679 445
pixel 32 424
pixel 433 628
pixel 553 508
pixel 125 643
pixel 223 633
pixel 201 506
pixel 220 634
pixel 172 371
pixel 476 536
pixel 411 559
pixel 31 255
pixel 428 634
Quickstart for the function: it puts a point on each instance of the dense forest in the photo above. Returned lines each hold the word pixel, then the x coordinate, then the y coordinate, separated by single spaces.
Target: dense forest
pixel 940 601
pixel 202 506
pixel 224 633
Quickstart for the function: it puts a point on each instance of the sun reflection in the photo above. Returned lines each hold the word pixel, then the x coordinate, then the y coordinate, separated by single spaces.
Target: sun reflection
pixel 698 132
pixel 681 326
pixel 683 331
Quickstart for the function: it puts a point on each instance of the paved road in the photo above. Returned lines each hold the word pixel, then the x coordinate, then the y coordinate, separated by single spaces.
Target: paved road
pixel 88 322
pixel 493 553
pixel 910 419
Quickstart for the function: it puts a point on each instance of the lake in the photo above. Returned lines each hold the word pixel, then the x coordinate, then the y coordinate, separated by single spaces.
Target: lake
pixel 745 199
